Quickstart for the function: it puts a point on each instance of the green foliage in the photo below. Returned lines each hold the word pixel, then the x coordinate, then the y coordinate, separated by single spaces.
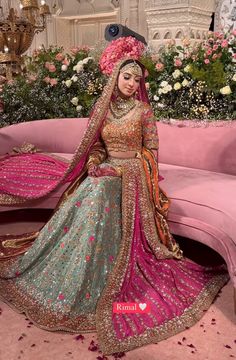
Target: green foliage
pixel 183 82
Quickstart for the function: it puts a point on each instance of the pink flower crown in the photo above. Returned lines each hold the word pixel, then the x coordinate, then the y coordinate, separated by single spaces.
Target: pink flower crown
pixel 124 47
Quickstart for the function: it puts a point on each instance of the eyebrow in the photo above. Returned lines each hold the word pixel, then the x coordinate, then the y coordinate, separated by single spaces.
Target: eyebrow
pixel 136 76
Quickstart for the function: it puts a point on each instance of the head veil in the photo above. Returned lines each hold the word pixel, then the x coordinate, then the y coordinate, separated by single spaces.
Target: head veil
pixel 73 173
pixel 97 118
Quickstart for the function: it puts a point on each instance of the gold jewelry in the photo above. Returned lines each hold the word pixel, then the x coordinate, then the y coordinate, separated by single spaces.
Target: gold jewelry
pixel 119 170
pixel 121 107
pixel 134 68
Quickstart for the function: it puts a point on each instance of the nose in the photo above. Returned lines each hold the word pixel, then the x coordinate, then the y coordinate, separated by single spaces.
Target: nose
pixel 131 82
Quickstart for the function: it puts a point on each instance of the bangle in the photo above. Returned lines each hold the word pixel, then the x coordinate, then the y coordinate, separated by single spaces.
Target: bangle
pixel 119 170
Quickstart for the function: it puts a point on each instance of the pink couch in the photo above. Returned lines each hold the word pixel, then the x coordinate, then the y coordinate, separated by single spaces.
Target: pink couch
pixel 198 164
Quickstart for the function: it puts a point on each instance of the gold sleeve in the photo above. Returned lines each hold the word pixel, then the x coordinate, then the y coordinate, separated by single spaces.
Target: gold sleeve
pixel 97 154
pixel 149 129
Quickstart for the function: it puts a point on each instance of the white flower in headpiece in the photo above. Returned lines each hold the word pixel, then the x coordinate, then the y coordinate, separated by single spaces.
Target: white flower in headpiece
pixel 155 98
pixel 234 77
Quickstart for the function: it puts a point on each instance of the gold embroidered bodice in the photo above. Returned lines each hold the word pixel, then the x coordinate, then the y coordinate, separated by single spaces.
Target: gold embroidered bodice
pixel 134 130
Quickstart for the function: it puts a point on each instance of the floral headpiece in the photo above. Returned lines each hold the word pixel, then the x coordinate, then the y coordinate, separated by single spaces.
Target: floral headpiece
pixel 124 47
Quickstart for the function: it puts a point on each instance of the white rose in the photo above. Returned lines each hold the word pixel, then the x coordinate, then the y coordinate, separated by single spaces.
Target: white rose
pixel 187 68
pixel 160 105
pixel 86 60
pixel 165 90
pixel 169 87
pixel 75 101
pixel 79 108
pixel 234 77
pixel 155 98
pixel 185 82
pixel 163 83
pixel 68 83
pixel 74 78
pixel 64 67
pixel 177 86
pixel 160 91
pixel 225 90
pixel 78 67
pixel 176 73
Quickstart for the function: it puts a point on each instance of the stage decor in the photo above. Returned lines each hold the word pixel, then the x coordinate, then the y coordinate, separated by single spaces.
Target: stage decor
pixel 17 32
pixel 187 85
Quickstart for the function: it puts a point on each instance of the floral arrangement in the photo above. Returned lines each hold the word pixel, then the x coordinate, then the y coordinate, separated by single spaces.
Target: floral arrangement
pixel 183 82
pixel 54 85
pixel 196 82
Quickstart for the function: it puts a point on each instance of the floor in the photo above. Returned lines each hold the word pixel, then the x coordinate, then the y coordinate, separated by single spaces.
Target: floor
pixel 212 338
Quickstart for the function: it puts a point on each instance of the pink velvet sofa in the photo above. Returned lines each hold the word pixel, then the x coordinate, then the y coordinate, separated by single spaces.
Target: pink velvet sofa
pixel 198 166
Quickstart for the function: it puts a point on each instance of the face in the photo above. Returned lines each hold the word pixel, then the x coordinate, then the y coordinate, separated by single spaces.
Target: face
pixel 128 83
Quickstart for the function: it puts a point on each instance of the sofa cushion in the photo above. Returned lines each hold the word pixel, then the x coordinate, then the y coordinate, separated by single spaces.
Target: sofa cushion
pixel 206 196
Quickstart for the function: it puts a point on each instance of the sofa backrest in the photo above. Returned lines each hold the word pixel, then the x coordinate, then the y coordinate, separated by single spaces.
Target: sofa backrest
pixel 212 148
pixel 52 135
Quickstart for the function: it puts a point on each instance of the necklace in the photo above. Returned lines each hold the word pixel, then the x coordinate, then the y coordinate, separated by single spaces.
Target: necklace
pixel 121 107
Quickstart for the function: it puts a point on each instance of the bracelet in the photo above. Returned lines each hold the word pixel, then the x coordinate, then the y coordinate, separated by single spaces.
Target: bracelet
pixel 119 170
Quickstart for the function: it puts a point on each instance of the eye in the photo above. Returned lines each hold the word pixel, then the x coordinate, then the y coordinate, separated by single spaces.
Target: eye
pixel 137 80
pixel 126 76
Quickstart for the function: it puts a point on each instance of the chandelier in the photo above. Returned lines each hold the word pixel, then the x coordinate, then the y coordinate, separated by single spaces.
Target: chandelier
pixel 17 30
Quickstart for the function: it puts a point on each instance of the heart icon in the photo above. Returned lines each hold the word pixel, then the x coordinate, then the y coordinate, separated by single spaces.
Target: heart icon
pixel 143 306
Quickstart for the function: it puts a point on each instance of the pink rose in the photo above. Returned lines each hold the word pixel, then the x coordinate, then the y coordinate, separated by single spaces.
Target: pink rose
pixel 59 57
pixel 66 62
pixel 47 79
pixel 209 52
pixel 178 62
pixel 224 44
pixel 214 57
pixel 32 78
pixel 215 47
pixel 52 68
pixel 159 66
pixel 206 61
pixel 234 32
pixel 47 64
pixel 53 82
pixel 147 85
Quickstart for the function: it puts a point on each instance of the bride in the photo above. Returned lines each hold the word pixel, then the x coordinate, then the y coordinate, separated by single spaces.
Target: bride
pixel 105 261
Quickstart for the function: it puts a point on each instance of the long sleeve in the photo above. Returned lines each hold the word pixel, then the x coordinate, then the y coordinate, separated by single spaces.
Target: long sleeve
pixel 97 153
pixel 149 130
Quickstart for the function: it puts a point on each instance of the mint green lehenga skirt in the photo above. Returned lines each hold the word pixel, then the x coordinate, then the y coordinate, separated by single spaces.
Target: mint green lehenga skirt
pixel 66 268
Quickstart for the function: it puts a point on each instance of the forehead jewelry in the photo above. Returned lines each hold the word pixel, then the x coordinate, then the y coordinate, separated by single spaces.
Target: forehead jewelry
pixel 133 67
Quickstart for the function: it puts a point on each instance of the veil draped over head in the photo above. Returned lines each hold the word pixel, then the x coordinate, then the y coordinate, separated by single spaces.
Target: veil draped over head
pixel 27 188
pixel 30 186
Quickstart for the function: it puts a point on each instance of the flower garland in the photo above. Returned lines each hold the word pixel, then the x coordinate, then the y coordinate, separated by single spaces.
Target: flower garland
pixel 118 49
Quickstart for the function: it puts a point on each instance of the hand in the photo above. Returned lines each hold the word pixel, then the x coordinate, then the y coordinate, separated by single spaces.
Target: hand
pixel 96 171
